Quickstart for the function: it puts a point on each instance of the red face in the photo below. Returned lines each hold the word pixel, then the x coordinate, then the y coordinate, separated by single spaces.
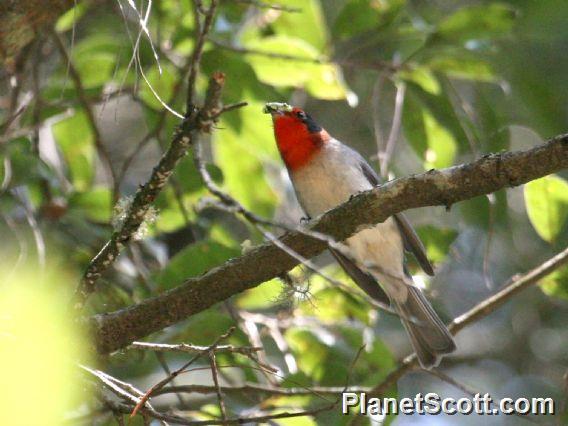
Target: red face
pixel 298 136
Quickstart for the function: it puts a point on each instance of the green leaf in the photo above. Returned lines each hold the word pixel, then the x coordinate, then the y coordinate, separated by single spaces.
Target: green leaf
pixel 241 155
pixel 194 260
pixel 162 84
pixel 95 69
pixel 556 284
pixel 297 421
pixel 492 123
pixel 442 146
pixel 94 204
pixel 465 67
pixel 103 42
pixel 316 358
pixel 437 241
pixel 476 22
pixel 233 63
pixel 76 140
pixel 24 165
pixel 423 77
pixel 359 16
pixel 328 84
pixel 477 211
pixel 414 127
pixel 308 24
pixel 332 304
pixel 261 297
pixel 441 110
pixel 283 72
pixel 189 177
pixel 546 201
pixel 322 80
pixel 205 327
pixel 433 142
pixel 70 18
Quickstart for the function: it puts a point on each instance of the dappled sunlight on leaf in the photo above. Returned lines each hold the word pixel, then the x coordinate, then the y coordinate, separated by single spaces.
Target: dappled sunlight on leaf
pixel 75 138
pixel 40 351
pixel 546 201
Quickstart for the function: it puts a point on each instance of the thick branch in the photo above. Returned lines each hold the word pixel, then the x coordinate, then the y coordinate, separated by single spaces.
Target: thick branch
pixel 444 187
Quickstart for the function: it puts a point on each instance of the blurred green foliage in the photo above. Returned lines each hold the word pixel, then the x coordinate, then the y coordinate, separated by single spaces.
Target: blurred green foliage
pixel 479 77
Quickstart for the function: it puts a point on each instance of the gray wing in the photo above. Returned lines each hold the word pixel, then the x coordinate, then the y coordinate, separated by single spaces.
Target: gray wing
pixel 365 281
pixel 412 243
pixel 411 240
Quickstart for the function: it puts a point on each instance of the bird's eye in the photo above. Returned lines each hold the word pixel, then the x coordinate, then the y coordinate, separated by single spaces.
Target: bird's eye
pixel 301 115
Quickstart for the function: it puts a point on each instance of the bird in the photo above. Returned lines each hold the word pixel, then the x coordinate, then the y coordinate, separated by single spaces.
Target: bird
pixel 326 173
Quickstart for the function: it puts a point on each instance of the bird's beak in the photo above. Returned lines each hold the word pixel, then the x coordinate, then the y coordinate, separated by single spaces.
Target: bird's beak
pixel 276 108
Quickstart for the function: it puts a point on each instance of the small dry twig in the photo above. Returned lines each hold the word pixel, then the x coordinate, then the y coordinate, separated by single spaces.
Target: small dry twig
pixel 180 370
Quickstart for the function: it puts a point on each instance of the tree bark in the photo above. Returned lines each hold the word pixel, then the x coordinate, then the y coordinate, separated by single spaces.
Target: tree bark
pixel 22 20
pixel 117 329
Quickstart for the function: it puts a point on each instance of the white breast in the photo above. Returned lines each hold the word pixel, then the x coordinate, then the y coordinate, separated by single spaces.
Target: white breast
pixel 331 178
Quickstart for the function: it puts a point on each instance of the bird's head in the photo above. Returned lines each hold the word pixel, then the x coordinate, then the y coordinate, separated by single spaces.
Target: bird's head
pixel 297 135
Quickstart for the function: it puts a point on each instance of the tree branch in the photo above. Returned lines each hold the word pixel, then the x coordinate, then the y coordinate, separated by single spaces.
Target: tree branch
pixel 197 120
pixel 117 329
pixel 263 389
pixel 102 150
pixel 481 310
pixel 192 349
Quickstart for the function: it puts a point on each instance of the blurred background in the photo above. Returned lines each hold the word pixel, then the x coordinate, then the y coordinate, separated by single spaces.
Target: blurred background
pixel 411 84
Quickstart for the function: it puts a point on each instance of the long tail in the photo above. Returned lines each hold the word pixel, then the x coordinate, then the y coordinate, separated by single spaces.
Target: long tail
pixel 428 334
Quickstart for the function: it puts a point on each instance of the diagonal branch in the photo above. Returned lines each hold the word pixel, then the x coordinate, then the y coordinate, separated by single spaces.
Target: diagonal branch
pixel 197 120
pixel 490 173
pixel 481 310
pixel 198 51
pixel 102 150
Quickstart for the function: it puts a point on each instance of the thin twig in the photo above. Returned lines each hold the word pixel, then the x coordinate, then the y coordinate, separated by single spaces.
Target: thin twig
pixel 123 390
pixel 82 97
pixel 262 5
pixel 515 285
pixel 230 107
pixel 311 412
pixel 481 310
pixel 375 97
pixel 377 65
pixel 126 409
pixel 466 112
pixel 215 375
pixel 197 52
pixel 180 370
pixel 251 332
pixel 184 347
pixel 258 388
pixel 162 361
pixel 468 391
pixel 394 131
pixel 200 120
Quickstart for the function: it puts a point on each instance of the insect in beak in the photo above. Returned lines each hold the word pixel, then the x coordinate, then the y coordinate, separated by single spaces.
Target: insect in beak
pixel 278 108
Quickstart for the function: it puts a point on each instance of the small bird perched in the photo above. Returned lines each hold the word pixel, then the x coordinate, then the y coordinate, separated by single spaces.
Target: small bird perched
pixel 326 173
